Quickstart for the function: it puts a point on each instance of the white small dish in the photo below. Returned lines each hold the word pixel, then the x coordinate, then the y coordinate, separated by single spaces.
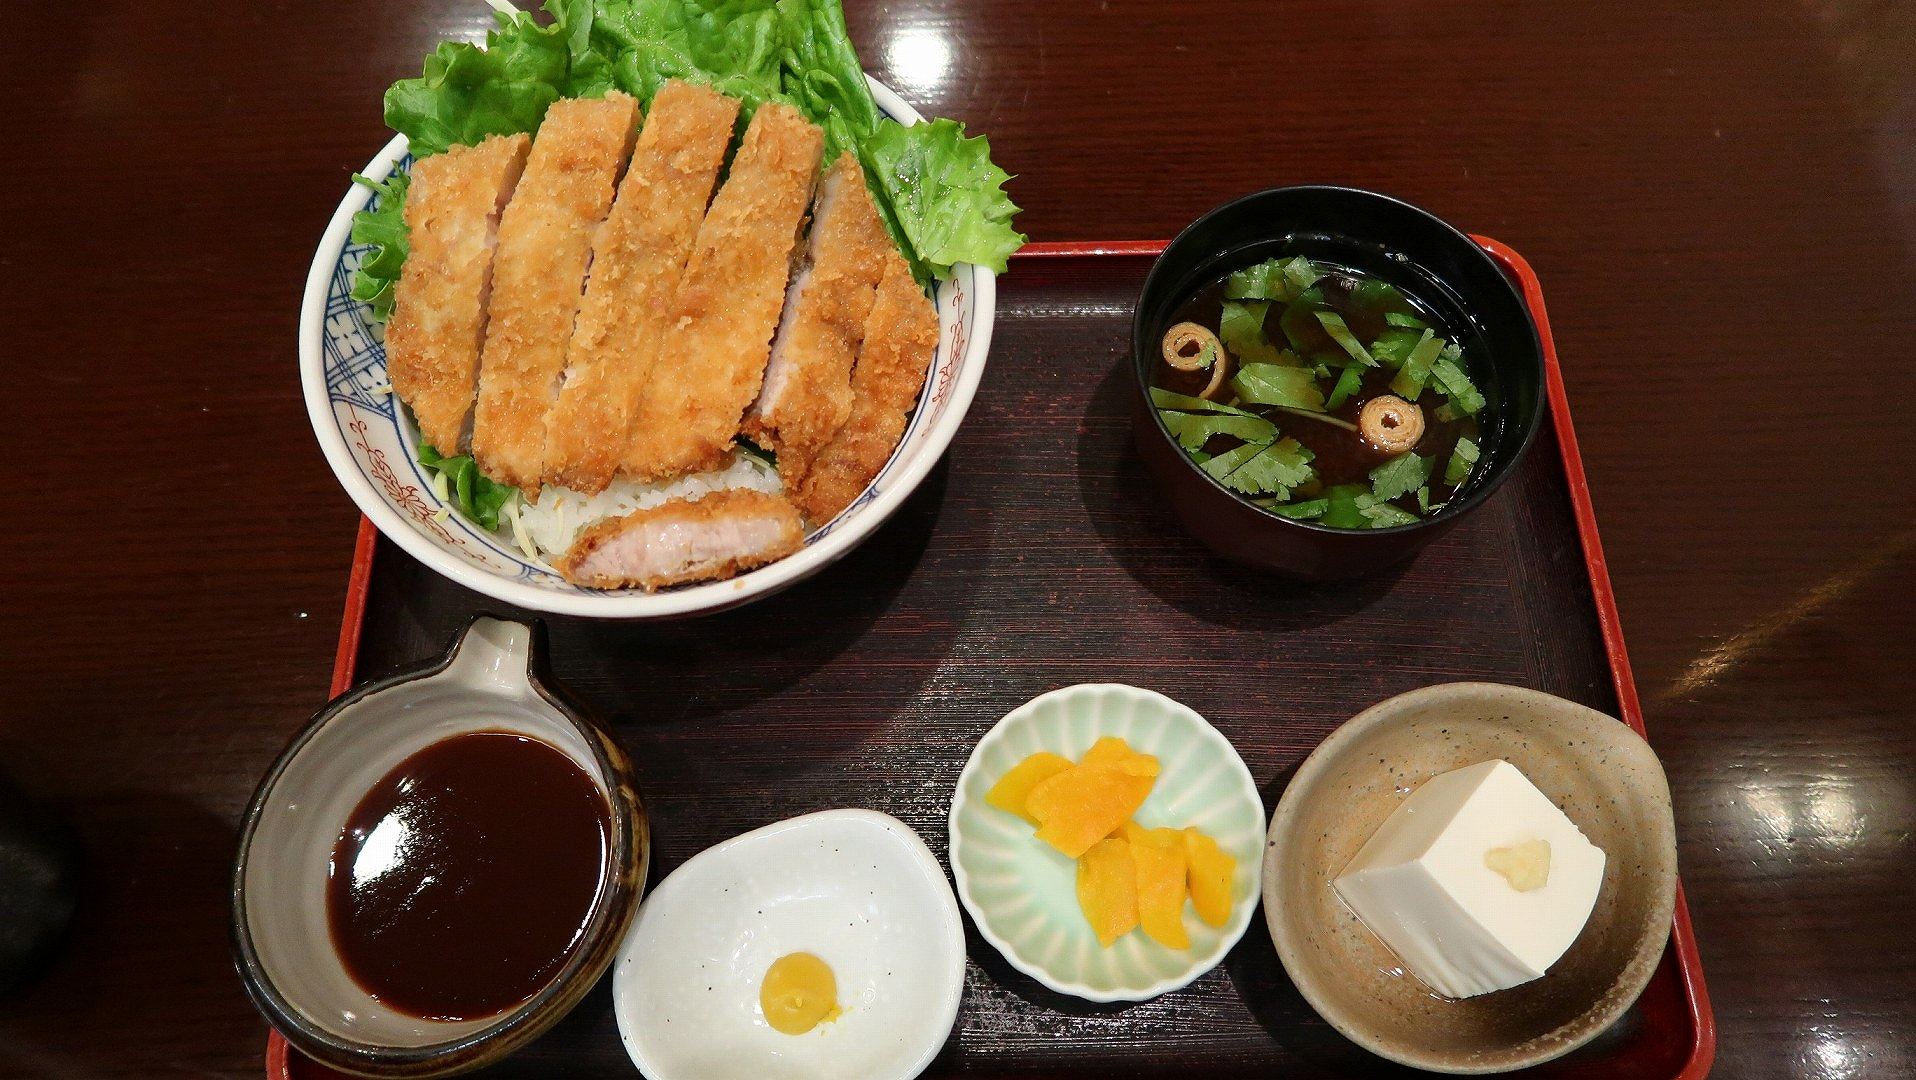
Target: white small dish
pixel 1022 893
pixel 856 888
pixel 372 444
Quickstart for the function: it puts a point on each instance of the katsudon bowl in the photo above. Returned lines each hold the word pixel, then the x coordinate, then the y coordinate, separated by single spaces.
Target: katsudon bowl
pixel 371 443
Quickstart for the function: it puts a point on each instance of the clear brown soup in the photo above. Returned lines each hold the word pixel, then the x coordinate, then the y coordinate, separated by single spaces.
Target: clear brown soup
pixel 465 879
pixel 1339 457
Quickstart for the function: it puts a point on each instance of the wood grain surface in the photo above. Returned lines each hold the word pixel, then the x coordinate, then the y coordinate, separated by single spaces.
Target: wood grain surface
pixel 1721 201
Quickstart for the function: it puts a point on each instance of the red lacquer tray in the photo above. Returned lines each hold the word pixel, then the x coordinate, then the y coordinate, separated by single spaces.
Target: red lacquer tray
pixel 993 584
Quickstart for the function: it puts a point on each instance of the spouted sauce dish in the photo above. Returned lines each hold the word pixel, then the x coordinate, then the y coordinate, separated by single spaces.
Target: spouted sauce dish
pixel 465 879
pixel 1320 393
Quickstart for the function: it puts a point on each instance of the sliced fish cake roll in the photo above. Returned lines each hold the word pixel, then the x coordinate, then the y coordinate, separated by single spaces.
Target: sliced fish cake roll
pixel 712 360
pixel 681 541
pixel 637 262
pixel 439 308
pixel 807 392
pixel 545 242
pixel 901 338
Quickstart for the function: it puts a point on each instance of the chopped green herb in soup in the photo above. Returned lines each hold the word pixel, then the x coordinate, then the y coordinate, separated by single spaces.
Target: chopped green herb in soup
pixel 1320 394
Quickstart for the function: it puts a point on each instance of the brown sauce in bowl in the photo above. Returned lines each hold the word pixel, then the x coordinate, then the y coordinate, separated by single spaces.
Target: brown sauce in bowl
pixel 466 878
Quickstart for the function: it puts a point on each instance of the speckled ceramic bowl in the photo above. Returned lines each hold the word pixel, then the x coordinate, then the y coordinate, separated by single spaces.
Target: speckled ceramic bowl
pixel 1601 773
pixel 1022 893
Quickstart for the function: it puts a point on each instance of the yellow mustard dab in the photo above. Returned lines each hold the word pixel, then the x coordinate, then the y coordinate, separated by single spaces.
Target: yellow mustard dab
pixel 798 994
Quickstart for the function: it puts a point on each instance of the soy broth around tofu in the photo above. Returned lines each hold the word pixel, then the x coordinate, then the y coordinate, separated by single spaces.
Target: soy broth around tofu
pixel 1320 393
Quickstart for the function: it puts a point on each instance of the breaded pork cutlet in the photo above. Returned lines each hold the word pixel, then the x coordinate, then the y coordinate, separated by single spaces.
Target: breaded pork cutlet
pixel 807 393
pixel 680 541
pixel 637 262
pixel 713 358
pixel 439 305
pixel 901 337
pixel 545 240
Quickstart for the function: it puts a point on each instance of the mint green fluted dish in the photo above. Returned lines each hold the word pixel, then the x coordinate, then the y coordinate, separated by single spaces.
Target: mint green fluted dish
pixel 1022 893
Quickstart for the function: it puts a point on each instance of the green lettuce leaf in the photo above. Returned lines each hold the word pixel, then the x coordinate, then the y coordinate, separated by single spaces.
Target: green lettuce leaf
pixel 1299 323
pixel 823 75
pixel 945 193
pixel 477 499
pixel 938 191
pixel 383 225
pixel 737 47
pixel 467 93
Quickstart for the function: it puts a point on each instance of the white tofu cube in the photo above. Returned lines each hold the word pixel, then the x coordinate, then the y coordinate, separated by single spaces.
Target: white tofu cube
pixel 1423 884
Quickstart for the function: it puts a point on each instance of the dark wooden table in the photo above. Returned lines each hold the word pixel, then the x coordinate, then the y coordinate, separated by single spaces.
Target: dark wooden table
pixel 1720 198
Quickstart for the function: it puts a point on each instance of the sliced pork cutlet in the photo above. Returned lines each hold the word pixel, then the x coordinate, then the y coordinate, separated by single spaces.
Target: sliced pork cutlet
pixel 807 393
pixel 545 242
pixel 439 306
pixel 679 541
pixel 712 359
pixel 636 265
pixel 901 337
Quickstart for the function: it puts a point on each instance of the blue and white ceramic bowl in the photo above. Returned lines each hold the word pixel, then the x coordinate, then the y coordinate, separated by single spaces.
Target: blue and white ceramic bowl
pixel 371 442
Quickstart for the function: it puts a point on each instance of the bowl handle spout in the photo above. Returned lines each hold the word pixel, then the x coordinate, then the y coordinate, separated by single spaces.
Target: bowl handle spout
pixel 494 652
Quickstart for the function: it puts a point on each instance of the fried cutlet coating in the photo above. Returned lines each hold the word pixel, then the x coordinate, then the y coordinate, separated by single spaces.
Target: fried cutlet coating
pixel 545 241
pixel 637 262
pixel 807 394
pixel 439 310
pixel 713 357
pixel 901 337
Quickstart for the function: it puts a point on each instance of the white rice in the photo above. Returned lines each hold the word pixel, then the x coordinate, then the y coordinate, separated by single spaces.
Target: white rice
pixel 560 513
